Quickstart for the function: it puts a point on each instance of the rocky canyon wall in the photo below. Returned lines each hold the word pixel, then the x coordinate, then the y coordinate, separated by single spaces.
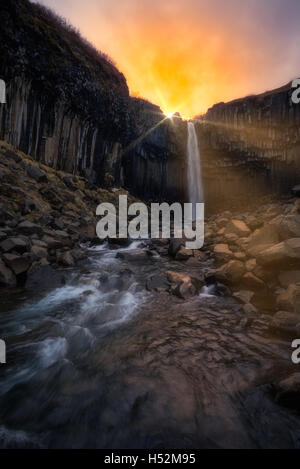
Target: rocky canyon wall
pixel 69 107
pixel 250 147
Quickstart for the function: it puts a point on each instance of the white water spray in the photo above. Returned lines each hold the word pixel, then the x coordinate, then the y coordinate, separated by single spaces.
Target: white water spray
pixel 194 174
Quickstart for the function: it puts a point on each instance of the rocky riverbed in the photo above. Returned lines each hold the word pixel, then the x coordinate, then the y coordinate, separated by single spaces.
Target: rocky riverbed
pixel 146 344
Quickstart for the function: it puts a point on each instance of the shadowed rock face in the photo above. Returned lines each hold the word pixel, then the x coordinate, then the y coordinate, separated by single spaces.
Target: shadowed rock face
pixel 71 110
pixel 250 146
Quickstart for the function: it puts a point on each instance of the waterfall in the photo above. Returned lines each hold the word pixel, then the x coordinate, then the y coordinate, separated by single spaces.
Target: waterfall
pixel 194 174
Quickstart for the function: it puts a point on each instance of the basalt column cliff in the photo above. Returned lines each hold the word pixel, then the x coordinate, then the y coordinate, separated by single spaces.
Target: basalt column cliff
pixel 250 147
pixel 69 107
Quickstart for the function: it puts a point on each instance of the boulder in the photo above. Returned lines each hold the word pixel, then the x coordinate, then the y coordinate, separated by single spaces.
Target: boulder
pixel 133 255
pixel 183 254
pixel 28 228
pixel 14 244
pixel 284 254
pixel 289 227
pixel 18 264
pixel 7 278
pixel 222 252
pixel 239 228
pixel 290 299
pixel 39 251
pixel 157 283
pixel 262 239
pixel 230 273
pixel 36 173
pixel 252 282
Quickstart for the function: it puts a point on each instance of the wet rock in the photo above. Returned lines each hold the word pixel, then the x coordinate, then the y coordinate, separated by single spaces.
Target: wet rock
pixel 184 290
pixel 7 278
pixel 133 255
pixel 14 244
pixel 290 299
pixel 239 228
pixel 157 283
pixel 183 254
pixel 185 285
pixel 18 264
pixel 285 321
pixel 231 272
pixel 36 173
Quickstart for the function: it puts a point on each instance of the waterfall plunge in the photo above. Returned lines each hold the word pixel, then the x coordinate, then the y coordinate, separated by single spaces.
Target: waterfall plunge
pixel 194 174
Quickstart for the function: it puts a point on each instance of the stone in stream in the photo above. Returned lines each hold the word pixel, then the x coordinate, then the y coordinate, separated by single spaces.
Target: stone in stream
pixel 184 285
pixel 133 255
pixel 157 283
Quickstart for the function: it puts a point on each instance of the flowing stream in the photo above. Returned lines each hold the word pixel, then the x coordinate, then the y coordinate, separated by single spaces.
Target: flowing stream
pixel 95 360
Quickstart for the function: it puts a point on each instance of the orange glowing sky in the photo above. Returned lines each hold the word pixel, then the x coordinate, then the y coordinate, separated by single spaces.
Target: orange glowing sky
pixel 186 55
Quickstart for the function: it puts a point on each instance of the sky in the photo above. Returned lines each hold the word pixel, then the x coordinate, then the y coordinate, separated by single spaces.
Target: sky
pixel 186 55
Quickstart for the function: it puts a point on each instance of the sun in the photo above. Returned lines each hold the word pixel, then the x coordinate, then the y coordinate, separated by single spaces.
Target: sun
pixel 169 114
